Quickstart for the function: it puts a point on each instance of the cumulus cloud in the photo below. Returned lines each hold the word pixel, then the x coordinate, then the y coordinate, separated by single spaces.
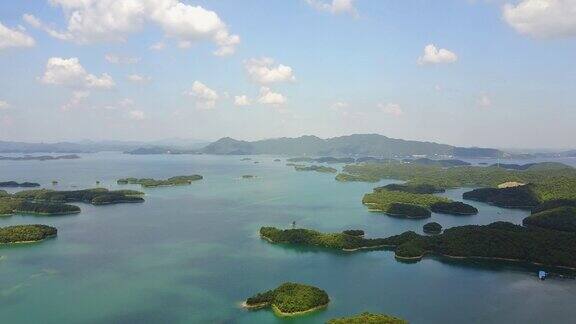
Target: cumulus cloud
pixel 205 97
pixel 137 78
pixel 265 71
pixel 484 101
pixel 433 55
pixel 77 98
pixel 242 101
pixel 136 115
pixel 118 59
pixel 90 21
pixel 4 105
pixel 391 109
pixel 269 97
pixel 69 72
pixel 334 6
pixel 542 18
pixel 14 38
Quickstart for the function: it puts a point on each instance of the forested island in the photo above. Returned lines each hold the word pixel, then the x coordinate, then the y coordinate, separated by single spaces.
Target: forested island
pixel 413 205
pixel 523 196
pixel 432 228
pixel 26 233
pixel 39 158
pixel 496 241
pixel 10 205
pixel 97 196
pixel 290 299
pixel 316 168
pixel 151 183
pixel 14 184
pixel 368 318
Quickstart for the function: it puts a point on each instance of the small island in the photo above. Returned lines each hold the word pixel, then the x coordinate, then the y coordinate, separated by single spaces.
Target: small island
pixel 453 208
pixel 316 168
pixel 97 196
pixel 26 233
pixel 249 176
pixel 432 228
pixel 14 184
pixel 290 299
pixel 39 158
pixel 151 183
pixel 368 318
pixel 10 206
pixel 523 197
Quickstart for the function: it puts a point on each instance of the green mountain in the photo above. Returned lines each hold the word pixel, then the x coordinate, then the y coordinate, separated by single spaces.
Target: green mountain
pixel 358 144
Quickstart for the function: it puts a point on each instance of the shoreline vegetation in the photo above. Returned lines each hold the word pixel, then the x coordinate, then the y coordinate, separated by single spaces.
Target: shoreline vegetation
pixel 14 184
pixel 96 196
pixel 19 234
pixel 289 299
pixel 407 204
pixel 516 243
pixel 39 158
pixel 368 318
pixel 316 168
pixel 153 183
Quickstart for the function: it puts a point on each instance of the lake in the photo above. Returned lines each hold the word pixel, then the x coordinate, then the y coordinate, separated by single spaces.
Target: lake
pixel 191 254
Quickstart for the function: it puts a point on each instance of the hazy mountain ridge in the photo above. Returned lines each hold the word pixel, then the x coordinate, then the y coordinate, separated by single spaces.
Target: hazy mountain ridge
pixel 357 144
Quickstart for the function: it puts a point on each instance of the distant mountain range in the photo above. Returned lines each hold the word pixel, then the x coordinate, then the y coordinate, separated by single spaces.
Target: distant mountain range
pixel 358 145
pixel 352 145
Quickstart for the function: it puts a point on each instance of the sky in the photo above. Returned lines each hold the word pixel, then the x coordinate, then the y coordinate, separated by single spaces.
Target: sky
pixel 462 72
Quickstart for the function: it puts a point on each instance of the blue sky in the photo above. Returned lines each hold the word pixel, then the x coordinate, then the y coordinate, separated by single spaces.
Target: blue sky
pixel 497 73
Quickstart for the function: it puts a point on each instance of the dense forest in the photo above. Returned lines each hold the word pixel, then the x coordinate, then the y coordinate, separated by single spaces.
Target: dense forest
pixel 97 196
pixel 26 233
pixel 290 298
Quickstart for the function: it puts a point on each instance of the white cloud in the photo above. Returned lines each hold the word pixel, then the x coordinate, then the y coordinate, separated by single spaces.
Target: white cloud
pixel 484 101
pixel 4 105
pixel 137 78
pixel 136 115
pixel 433 55
pixel 264 71
pixel 242 101
pixel 77 98
pixel 339 105
pixel 69 72
pixel 158 46
pixel 90 21
pixel 126 102
pixel 14 38
pixel 269 97
pixel 334 6
pixel 391 109
pixel 117 59
pixel 205 97
pixel 542 18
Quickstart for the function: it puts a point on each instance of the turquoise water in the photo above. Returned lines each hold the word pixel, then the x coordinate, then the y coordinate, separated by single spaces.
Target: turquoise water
pixel 191 254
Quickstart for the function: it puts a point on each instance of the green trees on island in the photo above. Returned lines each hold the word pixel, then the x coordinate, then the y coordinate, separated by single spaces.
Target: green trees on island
pixel 173 181
pixel 317 168
pixel 432 228
pixel 368 318
pixel 11 205
pixel 26 233
pixel 512 197
pixel 290 299
pixel 453 208
pixel 97 196
pixel 560 218
pixel 498 241
pixel 14 184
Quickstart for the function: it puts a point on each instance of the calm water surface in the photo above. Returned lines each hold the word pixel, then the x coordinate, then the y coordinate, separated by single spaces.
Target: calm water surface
pixel 191 254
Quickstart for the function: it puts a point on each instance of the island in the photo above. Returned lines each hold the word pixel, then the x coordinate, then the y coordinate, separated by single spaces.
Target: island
pixel 14 184
pixel 151 183
pixel 277 160
pixel 10 206
pixel 560 218
pixel 26 233
pixel 432 228
pixel 406 204
pixel 524 197
pixel 417 188
pixel 39 158
pixel 368 318
pixel 290 299
pixel 317 168
pixel 97 196
pixel 248 176
pixel 501 241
